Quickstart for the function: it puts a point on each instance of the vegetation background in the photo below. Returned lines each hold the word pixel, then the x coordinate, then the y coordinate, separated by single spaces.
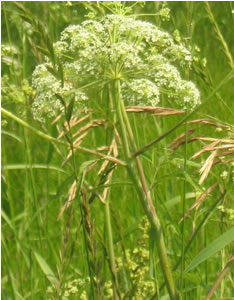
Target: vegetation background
pixel 46 257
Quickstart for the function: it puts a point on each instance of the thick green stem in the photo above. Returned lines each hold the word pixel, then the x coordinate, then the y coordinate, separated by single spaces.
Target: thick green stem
pixel 142 188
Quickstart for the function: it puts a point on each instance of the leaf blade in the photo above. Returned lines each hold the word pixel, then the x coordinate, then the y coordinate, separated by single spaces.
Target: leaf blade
pixel 211 249
pixel 46 269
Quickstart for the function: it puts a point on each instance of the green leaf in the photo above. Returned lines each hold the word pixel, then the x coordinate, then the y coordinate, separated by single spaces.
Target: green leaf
pixel 52 71
pixel 50 47
pixel 61 100
pixel 63 187
pixel 60 73
pixel 43 51
pixel 176 200
pixel 14 136
pixel 70 109
pixel 51 146
pixel 41 30
pixel 215 246
pixel 46 269
pixel 14 287
pixel 7 220
pixel 85 165
pixel 21 7
pixel 27 19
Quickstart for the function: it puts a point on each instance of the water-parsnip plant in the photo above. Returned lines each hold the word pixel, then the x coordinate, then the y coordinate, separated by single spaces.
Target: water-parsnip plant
pixel 114 172
pixel 135 63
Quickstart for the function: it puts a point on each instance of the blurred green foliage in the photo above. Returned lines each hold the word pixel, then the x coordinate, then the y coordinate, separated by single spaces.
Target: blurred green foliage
pixel 32 197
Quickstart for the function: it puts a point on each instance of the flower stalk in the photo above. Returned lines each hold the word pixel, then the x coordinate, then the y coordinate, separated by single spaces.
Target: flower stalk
pixel 111 248
pixel 142 188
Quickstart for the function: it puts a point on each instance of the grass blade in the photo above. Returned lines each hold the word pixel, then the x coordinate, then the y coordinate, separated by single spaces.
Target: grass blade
pixel 46 269
pixel 34 166
pixel 14 136
pixel 215 246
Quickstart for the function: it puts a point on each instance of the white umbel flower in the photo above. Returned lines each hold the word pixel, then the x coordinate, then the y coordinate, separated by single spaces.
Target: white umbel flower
pixel 138 53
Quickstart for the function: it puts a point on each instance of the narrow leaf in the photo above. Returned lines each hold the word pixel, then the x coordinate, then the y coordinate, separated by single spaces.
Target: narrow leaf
pixel 46 269
pixel 43 51
pixel 177 199
pixel 21 7
pixel 215 246
pixel 50 47
pixel 40 29
pixel 51 146
pixel 14 136
pixel 60 73
pixel 52 71
pixel 7 219
pixel 70 109
pixel 33 166
pixel 61 100
pixel 26 19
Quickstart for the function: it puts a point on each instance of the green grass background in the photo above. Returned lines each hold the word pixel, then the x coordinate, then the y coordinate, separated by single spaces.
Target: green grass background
pixel 32 197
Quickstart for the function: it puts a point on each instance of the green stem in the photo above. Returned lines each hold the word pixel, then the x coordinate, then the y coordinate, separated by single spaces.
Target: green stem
pixel 183 213
pixel 56 141
pixel 142 188
pixel 220 36
pixel 111 248
pixel 195 233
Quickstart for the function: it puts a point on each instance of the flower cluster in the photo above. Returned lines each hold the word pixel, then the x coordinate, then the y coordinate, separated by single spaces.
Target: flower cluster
pixel 48 87
pixel 72 289
pixel 143 285
pixel 140 284
pixel 138 53
pixel 140 89
pixel 11 93
pixel 9 56
pixel 229 212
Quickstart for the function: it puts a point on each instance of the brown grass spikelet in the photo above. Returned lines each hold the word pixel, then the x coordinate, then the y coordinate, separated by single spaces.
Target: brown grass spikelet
pixel 117 137
pixel 73 122
pixel 77 142
pixel 198 202
pixel 91 124
pixel 71 197
pixel 112 149
pixel 158 111
pixel 207 122
pixel 207 148
pixel 87 111
pixel 205 169
pixel 180 140
pixel 226 269
pixel 227 141
pixel 102 148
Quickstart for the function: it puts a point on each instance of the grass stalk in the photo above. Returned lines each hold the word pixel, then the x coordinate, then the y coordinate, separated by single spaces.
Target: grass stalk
pixel 219 34
pixel 56 141
pixel 195 233
pixel 142 189
pixel 183 213
pixel 111 248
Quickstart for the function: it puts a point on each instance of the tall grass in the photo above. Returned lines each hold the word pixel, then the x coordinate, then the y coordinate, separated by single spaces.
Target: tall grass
pixel 72 223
